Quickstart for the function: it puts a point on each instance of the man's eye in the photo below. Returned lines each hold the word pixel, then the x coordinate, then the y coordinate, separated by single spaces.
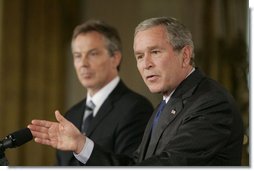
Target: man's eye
pixel 155 51
pixel 138 57
pixel 94 53
pixel 77 56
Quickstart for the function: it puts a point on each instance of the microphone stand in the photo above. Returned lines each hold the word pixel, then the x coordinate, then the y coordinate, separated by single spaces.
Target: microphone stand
pixel 3 159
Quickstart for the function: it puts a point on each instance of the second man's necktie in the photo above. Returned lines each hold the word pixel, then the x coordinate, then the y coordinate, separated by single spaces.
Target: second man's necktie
pixel 88 116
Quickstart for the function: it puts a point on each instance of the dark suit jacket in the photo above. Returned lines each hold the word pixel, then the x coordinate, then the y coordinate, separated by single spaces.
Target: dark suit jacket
pixel 200 125
pixel 118 126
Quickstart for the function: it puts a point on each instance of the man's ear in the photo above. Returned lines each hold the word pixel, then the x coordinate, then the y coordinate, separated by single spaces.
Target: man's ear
pixel 186 52
pixel 117 58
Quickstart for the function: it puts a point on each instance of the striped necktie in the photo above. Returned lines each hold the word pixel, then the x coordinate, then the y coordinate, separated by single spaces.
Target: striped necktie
pixel 88 116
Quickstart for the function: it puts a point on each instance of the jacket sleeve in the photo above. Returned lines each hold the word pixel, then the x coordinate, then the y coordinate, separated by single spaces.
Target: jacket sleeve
pixel 100 157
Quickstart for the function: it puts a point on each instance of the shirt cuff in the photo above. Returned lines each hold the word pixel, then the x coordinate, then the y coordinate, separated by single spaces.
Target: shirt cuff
pixel 86 152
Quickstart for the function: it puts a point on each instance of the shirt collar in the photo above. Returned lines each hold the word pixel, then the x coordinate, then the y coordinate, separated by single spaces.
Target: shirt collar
pixel 166 98
pixel 102 94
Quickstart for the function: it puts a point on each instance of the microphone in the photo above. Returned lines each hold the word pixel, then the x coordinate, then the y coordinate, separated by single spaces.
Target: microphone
pixel 16 139
pixel 13 140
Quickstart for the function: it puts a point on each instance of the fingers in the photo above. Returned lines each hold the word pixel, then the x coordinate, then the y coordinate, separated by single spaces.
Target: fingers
pixel 42 141
pixel 43 123
pixel 38 128
pixel 40 135
pixel 48 124
pixel 38 131
pixel 37 134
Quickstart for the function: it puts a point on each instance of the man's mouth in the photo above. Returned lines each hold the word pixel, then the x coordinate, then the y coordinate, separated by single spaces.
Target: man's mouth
pixel 152 77
pixel 85 75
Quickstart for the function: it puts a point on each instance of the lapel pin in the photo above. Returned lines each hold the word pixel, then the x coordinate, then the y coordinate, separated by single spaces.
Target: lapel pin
pixel 173 111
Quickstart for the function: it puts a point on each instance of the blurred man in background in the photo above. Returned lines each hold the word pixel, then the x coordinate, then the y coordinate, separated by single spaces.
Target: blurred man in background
pixel 111 114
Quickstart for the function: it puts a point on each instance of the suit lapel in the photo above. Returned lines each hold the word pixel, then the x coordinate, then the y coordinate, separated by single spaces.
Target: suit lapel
pixel 77 115
pixel 174 106
pixel 169 113
pixel 107 106
pixel 146 138
pixel 102 113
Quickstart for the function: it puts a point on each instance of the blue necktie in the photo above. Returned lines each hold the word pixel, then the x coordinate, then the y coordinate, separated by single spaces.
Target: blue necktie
pixel 157 116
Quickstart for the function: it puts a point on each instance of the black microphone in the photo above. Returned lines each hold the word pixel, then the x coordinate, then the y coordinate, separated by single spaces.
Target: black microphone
pixel 16 139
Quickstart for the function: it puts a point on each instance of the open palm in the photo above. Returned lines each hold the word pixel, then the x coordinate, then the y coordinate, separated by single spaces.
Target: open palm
pixel 62 135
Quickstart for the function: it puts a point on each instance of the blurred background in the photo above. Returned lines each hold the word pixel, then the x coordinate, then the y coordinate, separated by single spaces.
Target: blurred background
pixel 36 70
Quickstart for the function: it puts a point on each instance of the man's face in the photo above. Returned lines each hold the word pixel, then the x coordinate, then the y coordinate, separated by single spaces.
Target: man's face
pixel 161 68
pixel 93 64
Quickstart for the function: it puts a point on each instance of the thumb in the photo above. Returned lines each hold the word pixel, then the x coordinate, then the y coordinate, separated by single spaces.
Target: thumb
pixel 59 117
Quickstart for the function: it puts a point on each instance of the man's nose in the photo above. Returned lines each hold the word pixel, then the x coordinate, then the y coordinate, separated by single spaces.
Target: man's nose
pixel 84 61
pixel 148 63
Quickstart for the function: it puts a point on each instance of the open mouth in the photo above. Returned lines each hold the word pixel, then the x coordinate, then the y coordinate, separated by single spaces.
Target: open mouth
pixel 152 77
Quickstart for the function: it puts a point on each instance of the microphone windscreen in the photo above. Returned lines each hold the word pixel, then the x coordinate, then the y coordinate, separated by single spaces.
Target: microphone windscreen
pixel 22 136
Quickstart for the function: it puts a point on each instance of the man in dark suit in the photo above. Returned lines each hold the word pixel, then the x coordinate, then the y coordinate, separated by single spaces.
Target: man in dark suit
pixel 196 124
pixel 120 115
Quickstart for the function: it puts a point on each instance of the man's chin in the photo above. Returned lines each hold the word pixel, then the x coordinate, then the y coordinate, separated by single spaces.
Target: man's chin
pixel 87 85
pixel 154 90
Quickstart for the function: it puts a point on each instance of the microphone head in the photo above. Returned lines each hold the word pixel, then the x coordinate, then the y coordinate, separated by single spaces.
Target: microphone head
pixel 21 137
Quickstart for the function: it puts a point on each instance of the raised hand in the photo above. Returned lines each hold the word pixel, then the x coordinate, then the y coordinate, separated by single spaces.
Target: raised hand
pixel 62 135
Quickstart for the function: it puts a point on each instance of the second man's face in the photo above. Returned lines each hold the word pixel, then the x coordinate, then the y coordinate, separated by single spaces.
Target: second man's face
pixel 93 64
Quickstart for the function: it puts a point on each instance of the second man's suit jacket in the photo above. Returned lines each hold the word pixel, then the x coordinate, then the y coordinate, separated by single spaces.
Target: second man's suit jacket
pixel 200 125
pixel 118 126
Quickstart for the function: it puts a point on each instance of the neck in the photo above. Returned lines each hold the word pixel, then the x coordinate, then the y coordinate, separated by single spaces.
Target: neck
pixel 188 71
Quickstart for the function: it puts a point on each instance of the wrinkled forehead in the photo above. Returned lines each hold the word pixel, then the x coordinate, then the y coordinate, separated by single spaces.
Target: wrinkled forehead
pixel 150 36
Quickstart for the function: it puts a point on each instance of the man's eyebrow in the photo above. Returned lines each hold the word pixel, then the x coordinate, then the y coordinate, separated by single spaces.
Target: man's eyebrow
pixel 90 50
pixel 148 48
pixel 154 47
pixel 76 53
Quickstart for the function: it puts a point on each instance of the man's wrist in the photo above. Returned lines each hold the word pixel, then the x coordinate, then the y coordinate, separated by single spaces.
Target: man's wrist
pixel 81 143
pixel 86 152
